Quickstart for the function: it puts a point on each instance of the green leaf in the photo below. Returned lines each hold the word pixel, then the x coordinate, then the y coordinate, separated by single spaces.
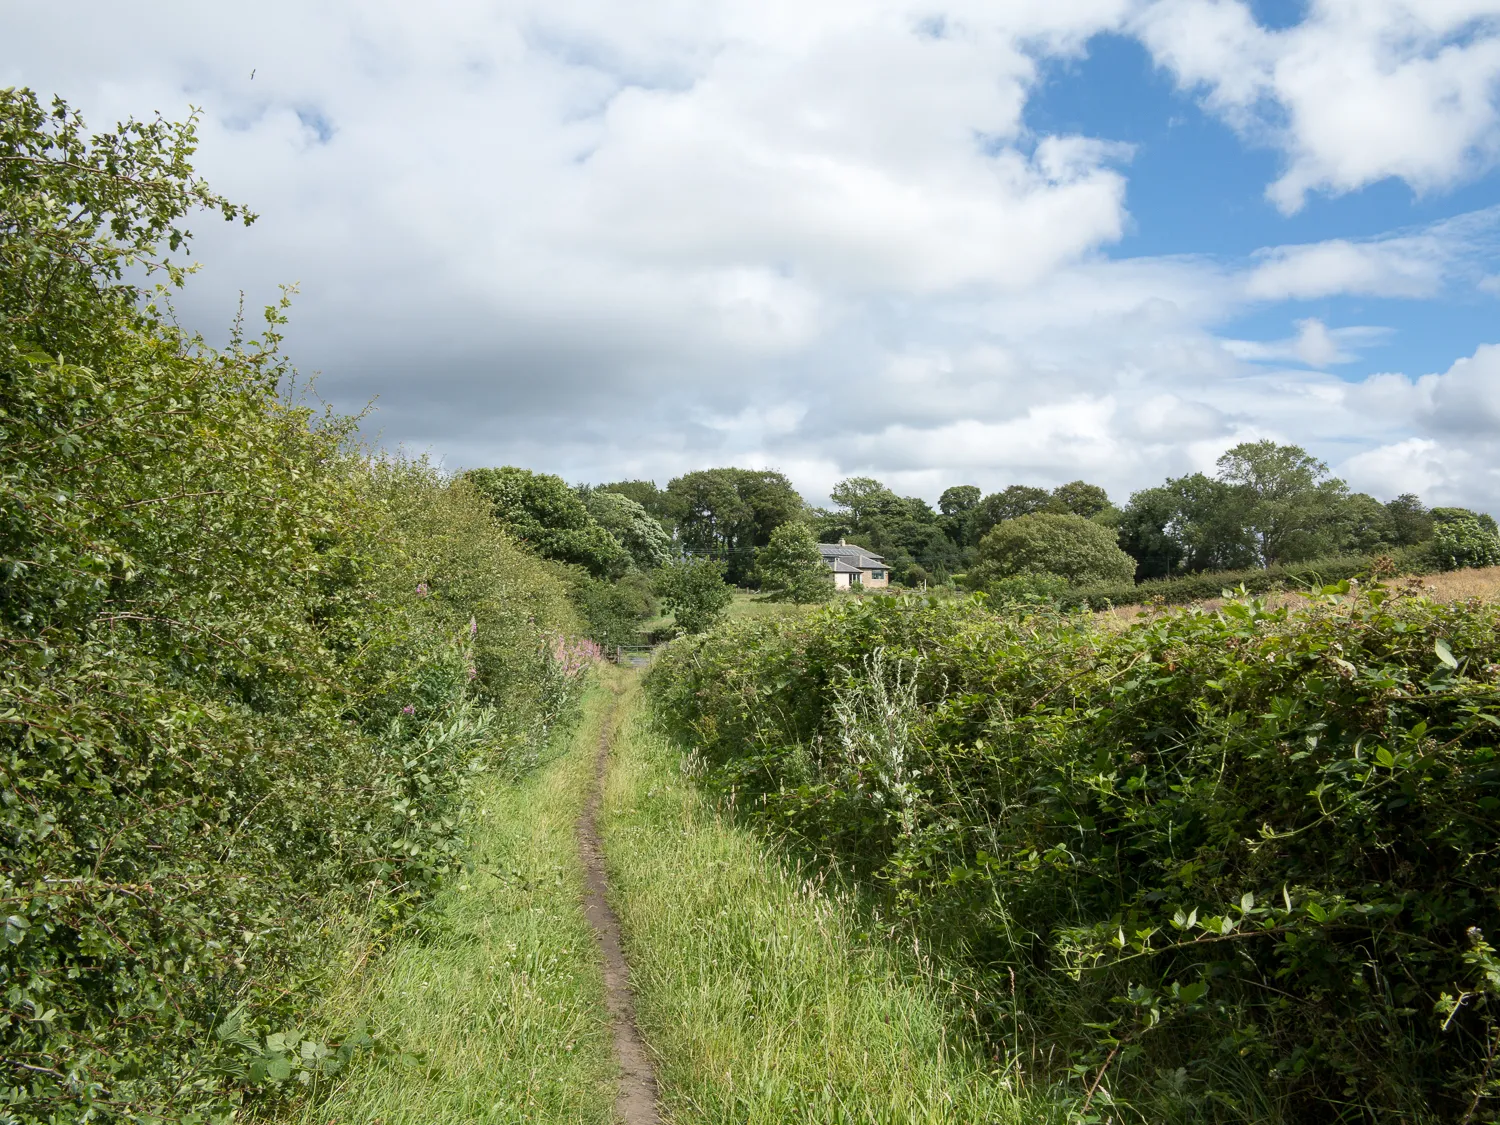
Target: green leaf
pixel 1444 653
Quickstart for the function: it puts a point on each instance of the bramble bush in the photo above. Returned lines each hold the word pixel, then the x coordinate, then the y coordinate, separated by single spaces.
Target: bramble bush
pixel 1227 866
pixel 248 670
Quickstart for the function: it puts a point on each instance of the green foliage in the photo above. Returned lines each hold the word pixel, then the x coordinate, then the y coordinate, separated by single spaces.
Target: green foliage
pixel 547 515
pixel 1070 547
pixel 1081 498
pixel 1191 523
pixel 1411 522
pixel 1289 505
pixel 646 494
pixel 694 593
pixel 632 526
pixel 1011 503
pixel 78 212
pixel 1188 588
pixel 614 611
pixel 1231 866
pixel 731 512
pixel 792 569
pixel 1464 541
pixel 248 671
pixel 913 539
pixel 959 499
pixel 1441 516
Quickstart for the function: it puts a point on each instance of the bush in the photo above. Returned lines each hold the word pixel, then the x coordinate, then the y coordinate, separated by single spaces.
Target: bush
pixel 694 593
pixel 1461 542
pixel 1188 588
pixel 1068 546
pixel 248 671
pixel 1230 866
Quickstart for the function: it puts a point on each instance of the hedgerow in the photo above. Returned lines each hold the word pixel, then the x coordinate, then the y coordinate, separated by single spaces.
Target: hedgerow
pixel 1228 866
pixel 247 669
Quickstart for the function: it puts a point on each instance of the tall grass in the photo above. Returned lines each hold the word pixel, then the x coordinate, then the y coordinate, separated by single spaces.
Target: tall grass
pixel 494 1011
pixel 761 990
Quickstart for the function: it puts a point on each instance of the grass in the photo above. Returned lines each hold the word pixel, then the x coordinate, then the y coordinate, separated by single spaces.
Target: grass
pixel 497 1007
pixel 1450 586
pixel 760 993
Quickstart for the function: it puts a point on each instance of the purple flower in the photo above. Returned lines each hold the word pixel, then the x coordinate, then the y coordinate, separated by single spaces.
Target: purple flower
pixel 408 710
pixel 421 589
pixel 473 628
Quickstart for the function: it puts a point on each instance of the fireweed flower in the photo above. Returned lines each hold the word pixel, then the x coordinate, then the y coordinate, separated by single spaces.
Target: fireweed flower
pixel 408 710
pixel 421 589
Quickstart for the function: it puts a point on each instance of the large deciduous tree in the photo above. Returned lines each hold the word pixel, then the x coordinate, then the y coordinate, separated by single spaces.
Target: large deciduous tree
pixel 1291 507
pixel 547 515
pixel 632 526
pixel 730 512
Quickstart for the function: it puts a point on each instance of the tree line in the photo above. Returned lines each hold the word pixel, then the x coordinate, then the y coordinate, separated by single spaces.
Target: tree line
pixel 1267 505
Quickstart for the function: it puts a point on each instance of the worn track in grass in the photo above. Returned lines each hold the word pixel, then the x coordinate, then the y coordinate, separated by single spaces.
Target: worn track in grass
pixel 636 1102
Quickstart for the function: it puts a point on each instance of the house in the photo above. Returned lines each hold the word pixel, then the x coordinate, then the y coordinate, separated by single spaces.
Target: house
pixel 854 566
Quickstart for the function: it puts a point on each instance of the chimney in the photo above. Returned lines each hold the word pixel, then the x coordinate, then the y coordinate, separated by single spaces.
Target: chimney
pixel 841 542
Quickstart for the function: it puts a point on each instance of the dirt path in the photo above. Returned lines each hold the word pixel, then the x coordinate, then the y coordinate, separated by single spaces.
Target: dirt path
pixel 635 1104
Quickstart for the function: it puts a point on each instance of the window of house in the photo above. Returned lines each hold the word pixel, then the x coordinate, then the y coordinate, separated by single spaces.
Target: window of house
pixel 876 575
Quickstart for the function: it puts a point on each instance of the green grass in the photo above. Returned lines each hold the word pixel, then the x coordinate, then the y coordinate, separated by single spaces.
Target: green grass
pixel 760 996
pixel 498 1007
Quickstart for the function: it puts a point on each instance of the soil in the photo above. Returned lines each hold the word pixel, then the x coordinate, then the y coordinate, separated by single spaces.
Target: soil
pixel 635 1103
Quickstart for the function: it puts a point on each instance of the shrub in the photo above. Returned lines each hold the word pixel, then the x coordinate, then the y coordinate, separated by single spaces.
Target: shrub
pixel 694 593
pixel 247 670
pixel 1188 588
pixel 1073 548
pixel 791 567
pixel 1229 866
pixel 1464 541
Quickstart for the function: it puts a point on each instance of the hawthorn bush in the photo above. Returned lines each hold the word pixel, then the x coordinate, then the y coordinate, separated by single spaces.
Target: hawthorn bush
pixel 1228 866
pixel 247 669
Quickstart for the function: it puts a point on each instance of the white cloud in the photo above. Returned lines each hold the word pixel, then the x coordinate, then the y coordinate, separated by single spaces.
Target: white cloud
pixel 1359 91
pixel 613 240
pixel 1315 344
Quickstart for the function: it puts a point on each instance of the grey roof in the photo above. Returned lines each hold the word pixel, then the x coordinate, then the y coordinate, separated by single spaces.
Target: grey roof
pixel 858 557
pixel 841 567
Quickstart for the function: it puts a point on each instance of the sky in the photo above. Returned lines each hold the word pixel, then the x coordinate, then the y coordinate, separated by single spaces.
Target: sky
pixel 937 243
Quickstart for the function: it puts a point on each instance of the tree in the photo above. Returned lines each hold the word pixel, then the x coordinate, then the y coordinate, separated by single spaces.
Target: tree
pixel 1068 546
pixel 729 512
pixel 614 610
pixel 959 499
pixel 1291 505
pixel 1441 516
pixel 792 569
pixel 863 498
pixel 1011 503
pixel 646 494
pixel 1190 523
pixel 548 516
pixel 1364 524
pixel 694 593
pixel 1411 522
pixel 632 526
pixel 1080 498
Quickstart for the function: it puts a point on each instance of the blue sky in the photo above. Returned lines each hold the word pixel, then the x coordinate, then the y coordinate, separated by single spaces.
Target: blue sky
pixel 971 242
pixel 1198 188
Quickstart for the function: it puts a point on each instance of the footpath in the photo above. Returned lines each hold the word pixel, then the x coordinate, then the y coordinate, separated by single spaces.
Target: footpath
pixel 625 953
